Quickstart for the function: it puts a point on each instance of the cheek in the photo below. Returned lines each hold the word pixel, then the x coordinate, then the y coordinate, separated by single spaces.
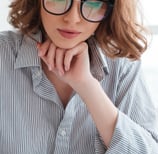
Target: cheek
pixel 47 21
pixel 43 19
pixel 90 30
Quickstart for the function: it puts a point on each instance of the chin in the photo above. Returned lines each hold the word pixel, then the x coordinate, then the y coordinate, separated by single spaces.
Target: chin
pixel 66 45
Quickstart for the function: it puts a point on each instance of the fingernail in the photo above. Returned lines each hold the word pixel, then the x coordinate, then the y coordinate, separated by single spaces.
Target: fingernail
pixel 39 53
pixel 66 68
pixel 38 45
pixel 50 68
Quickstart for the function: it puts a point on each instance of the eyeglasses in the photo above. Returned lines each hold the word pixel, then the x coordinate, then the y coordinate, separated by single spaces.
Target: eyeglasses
pixel 91 10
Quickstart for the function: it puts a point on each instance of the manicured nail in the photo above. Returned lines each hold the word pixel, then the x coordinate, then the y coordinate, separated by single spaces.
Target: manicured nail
pixel 38 45
pixel 39 52
pixel 66 68
pixel 50 68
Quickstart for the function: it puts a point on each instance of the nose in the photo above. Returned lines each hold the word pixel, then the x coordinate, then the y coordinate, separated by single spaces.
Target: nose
pixel 73 15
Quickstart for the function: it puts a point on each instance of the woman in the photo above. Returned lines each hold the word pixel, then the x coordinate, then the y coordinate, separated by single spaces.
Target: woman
pixel 68 84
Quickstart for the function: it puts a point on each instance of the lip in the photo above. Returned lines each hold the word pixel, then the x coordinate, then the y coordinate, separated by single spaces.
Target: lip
pixel 69 34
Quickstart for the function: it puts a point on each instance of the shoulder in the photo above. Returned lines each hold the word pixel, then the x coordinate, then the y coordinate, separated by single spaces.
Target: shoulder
pixel 123 65
pixel 9 42
pixel 10 38
pixel 9 45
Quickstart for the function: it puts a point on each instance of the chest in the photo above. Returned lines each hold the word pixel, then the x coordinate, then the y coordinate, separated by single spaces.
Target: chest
pixel 34 121
pixel 43 127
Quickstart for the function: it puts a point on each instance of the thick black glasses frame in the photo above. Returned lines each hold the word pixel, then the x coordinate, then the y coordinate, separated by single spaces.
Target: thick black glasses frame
pixel 110 4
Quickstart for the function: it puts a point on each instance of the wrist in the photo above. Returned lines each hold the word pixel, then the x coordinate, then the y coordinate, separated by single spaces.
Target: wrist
pixel 84 85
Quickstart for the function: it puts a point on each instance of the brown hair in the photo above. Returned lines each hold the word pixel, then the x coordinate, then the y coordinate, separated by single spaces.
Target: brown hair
pixel 119 35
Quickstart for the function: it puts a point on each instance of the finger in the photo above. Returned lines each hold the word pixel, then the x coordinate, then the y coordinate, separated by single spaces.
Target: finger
pixel 59 57
pixel 51 57
pixel 67 59
pixel 43 48
pixel 74 53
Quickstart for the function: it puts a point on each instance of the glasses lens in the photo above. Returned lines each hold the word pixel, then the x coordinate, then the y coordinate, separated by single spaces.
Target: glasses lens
pixel 57 6
pixel 94 10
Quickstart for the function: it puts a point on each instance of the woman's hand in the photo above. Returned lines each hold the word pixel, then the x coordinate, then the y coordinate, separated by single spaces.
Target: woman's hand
pixel 70 65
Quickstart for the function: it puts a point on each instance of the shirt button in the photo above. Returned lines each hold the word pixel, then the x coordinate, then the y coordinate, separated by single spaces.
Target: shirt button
pixel 63 132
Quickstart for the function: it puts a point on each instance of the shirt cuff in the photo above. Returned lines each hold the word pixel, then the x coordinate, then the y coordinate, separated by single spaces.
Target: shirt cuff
pixel 130 138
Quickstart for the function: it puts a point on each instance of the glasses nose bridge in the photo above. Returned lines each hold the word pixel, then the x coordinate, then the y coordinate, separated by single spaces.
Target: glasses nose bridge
pixel 78 4
pixel 75 10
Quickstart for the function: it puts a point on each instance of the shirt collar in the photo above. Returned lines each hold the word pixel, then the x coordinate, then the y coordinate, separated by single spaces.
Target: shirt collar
pixel 27 56
pixel 99 66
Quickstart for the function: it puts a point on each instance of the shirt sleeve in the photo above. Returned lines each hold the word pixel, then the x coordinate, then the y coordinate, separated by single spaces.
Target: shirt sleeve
pixel 136 128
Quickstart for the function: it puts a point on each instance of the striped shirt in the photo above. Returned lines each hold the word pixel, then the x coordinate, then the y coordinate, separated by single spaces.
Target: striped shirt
pixel 34 121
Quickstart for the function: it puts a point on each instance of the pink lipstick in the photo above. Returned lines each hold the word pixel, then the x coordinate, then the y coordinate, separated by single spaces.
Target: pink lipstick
pixel 69 34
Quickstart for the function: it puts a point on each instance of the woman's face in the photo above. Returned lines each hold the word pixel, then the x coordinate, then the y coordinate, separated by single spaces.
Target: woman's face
pixel 69 29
